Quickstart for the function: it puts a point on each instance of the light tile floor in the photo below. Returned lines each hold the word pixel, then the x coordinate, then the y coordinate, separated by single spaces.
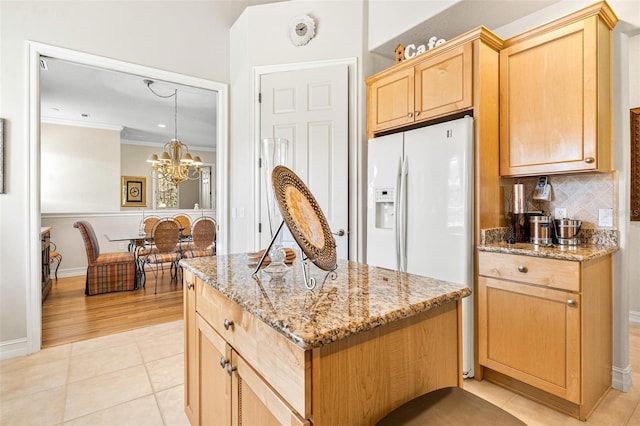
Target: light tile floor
pixel 137 378
pixel 131 378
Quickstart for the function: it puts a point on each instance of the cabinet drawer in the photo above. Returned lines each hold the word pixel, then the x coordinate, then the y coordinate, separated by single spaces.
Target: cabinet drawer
pixel 561 274
pixel 285 366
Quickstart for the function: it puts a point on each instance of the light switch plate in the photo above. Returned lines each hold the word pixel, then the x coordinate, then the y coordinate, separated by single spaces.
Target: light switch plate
pixel 605 218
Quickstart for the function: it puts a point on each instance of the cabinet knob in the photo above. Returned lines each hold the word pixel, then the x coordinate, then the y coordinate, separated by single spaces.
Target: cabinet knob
pixel 410 115
pixel 417 113
pixel 223 362
pixel 572 303
pixel 227 324
pixel 522 269
pixel 589 160
pixel 231 369
pixel 189 285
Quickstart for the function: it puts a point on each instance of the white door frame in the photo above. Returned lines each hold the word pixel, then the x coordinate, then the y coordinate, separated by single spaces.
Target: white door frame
pixel 33 288
pixel 352 143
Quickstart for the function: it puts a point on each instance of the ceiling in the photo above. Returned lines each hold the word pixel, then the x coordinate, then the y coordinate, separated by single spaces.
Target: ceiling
pixel 76 94
pixel 82 95
pixel 462 16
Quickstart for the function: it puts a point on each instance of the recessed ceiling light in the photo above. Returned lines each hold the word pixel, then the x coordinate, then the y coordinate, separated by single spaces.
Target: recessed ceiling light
pixel 84 115
pixel 162 125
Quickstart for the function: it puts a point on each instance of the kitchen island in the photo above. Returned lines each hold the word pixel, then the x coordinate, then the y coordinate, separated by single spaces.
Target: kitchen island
pixel 363 342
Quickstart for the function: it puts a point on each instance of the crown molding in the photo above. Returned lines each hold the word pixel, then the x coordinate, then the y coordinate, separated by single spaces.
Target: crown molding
pixel 78 123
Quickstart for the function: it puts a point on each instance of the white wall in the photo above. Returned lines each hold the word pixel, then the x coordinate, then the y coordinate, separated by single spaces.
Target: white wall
pixel 80 169
pixel 189 38
pixel 259 38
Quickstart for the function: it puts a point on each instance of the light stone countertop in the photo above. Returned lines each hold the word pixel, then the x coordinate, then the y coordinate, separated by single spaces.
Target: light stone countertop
pixel 577 253
pixel 360 298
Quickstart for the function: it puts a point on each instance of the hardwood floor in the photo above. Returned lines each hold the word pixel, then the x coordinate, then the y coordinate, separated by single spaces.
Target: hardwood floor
pixel 70 316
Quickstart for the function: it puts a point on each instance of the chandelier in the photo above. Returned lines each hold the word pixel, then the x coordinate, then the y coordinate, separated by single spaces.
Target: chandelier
pixel 175 164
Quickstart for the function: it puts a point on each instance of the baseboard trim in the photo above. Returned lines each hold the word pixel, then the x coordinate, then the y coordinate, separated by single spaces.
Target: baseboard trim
pixel 13 348
pixel 70 272
pixel 621 378
pixel 634 318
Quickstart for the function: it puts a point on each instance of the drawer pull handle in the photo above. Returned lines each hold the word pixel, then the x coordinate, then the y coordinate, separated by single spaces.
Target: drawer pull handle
pixel 227 324
pixel 231 369
pixel 223 362
pixel 522 269
pixel 589 160
pixel 189 285
pixel 572 303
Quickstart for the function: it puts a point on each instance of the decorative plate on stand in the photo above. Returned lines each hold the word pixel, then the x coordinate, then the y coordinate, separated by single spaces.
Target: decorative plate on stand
pixel 304 218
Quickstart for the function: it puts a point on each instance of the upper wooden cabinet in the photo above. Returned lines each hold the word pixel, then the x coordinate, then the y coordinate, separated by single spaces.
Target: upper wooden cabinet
pixel 555 96
pixel 434 84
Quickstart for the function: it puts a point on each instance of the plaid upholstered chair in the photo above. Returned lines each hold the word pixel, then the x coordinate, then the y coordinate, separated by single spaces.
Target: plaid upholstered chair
pixel 203 234
pixel 106 272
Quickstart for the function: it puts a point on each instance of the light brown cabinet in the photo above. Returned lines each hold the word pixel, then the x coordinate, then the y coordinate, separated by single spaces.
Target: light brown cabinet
pixel 240 370
pixel 544 327
pixel 221 388
pixel 555 96
pixel 434 84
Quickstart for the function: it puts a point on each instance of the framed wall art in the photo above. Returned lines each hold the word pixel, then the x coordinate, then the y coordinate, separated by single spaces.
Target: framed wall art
pixel 134 191
pixel 1 155
pixel 634 187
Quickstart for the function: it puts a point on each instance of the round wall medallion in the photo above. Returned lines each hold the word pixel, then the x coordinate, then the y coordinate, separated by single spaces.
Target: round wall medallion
pixel 302 29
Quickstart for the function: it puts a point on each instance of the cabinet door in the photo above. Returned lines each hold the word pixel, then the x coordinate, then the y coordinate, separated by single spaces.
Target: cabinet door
pixel 531 334
pixel 190 327
pixel 214 387
pixel 390 101
pixel 255 402
pixel 550 105
pixel 443 83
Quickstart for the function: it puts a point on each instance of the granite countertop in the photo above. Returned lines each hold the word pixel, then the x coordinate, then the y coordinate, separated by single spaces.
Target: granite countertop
pixel 359 298
pixel 578 253
pixel 593 243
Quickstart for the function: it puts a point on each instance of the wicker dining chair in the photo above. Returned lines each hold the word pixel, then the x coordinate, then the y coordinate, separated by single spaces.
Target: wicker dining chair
pixel 185 225
pixel 166 236
pixel 55 256
pixel 203 243
pixel 106 272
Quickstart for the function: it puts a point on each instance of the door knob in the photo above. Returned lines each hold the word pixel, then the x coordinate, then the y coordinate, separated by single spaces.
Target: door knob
pixel 340 233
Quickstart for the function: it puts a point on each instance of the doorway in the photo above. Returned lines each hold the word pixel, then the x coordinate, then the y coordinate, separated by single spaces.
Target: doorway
pixel 38 51
pixel 314 82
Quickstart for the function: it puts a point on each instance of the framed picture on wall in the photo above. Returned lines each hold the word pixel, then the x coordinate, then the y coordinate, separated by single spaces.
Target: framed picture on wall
pixel 635 165
pixel 1 155
pixel 134 191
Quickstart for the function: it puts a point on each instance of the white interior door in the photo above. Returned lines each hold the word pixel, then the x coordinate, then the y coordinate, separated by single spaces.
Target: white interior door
pixel 310 108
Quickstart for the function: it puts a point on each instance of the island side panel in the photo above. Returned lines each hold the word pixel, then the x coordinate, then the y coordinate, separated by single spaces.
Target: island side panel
pixel 360 379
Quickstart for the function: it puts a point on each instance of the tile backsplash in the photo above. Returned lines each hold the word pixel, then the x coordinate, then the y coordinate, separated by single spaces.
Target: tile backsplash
pixel 583 195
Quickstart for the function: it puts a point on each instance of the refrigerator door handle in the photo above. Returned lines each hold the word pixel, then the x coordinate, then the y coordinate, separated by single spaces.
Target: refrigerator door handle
pixel 403 216
pixel 396 213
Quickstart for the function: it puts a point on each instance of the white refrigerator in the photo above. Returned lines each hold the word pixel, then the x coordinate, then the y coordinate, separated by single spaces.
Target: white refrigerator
pixel 420 208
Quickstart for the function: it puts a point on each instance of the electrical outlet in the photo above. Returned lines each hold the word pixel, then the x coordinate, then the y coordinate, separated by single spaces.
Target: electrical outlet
pixel 560 213
pixel 605 218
